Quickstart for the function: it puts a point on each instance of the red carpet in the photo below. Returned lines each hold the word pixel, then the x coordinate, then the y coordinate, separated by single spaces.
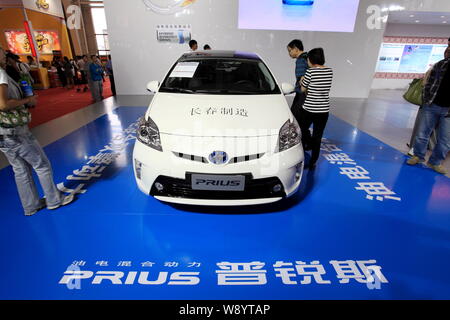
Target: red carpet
pixel 56 102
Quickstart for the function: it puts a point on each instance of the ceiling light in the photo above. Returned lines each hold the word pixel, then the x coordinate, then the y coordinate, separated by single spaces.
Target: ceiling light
pixel 411 16
pixel 444 21
pixel 417 21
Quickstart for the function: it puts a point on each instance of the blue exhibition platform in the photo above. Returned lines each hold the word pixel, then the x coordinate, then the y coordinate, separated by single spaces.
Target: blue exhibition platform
pixel 364 225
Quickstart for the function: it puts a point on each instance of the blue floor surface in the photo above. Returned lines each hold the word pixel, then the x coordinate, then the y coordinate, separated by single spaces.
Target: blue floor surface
pixel 363 226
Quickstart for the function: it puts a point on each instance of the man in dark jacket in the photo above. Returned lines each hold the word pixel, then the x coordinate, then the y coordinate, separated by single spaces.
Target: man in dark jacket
pixel 435 113
pixel 296 51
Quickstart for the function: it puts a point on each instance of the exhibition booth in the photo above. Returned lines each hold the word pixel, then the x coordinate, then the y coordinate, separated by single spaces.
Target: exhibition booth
pixel 51 29
pixel 193 182
pixel 49 39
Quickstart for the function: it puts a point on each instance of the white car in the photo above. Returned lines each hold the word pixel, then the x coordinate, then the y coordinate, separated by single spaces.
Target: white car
pixel 218 131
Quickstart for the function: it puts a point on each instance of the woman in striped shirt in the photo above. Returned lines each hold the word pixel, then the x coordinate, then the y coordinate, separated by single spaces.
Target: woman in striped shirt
pixel 315 111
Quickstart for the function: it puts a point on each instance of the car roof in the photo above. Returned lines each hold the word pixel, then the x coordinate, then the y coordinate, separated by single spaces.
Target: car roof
pixel 208 54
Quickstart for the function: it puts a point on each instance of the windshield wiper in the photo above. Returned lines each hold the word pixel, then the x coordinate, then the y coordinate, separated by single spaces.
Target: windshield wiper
pixel 224 91
pixel 228 91
pixel 242 92
pixel 211 91
pixel 180 90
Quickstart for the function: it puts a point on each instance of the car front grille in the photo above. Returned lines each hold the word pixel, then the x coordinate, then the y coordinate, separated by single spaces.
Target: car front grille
pixel 232 161
pixel 190 157
pixel 247 158
pixel 254 189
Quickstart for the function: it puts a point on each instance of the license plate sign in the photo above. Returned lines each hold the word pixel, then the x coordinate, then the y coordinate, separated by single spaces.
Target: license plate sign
pixel 218 182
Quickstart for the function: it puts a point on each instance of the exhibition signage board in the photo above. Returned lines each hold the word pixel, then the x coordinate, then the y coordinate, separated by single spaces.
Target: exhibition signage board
pixel 173 33
pixel 51 7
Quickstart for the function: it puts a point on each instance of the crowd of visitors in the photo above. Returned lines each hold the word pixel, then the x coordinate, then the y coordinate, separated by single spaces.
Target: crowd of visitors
pixel 85 73
pixel 312 104
pixel 82 73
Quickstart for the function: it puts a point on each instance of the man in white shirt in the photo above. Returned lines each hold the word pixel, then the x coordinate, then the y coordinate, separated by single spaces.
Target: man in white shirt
pixel 23 150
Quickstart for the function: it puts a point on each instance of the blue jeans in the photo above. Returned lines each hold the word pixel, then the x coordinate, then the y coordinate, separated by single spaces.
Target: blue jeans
pixel 24 154
pixel 432 116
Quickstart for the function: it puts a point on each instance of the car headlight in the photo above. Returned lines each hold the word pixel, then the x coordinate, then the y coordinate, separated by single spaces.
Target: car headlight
pixel 148 134
pixel 289 136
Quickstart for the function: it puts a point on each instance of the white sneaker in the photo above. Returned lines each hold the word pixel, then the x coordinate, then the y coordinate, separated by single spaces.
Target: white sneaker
pixel 65 201
pixel 411 152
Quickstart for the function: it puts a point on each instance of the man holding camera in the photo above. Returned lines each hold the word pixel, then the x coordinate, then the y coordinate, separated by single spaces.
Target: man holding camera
pixel 23 150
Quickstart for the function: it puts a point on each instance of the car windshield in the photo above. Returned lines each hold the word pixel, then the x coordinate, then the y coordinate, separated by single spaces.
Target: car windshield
pixel 220 76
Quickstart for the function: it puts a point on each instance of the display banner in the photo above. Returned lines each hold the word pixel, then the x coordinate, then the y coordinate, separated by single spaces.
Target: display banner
pixel 408 57
pixel 52 7
pixel 46 41
pixel 298 15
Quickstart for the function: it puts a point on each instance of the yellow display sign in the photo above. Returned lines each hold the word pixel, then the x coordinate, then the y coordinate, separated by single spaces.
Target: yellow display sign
pixel 52 7
pixel 42 4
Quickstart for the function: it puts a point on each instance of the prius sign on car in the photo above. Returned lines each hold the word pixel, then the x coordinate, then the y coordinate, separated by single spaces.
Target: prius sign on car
pixel 218 131
pixel 212 182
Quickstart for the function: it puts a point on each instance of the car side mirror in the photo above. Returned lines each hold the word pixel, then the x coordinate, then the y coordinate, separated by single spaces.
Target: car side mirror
pixel 153 86
pixel 287 88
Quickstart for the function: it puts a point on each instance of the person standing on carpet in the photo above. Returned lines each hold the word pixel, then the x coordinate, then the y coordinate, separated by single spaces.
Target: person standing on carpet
pixel 23 150
pixel 58 64
pixel 315 111
pixel 69 73
pixel 87 64
pixel 96 79
pixel 82 66
pixel 109 70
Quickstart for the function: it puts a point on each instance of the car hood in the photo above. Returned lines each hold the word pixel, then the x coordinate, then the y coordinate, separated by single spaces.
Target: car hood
pixel 219 115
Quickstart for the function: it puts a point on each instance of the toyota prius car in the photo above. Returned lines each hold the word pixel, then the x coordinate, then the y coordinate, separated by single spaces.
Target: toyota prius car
pixel 218 131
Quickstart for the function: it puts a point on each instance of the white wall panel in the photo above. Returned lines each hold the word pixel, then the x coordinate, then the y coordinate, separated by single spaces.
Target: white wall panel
pixel 139 58
pixel 412 30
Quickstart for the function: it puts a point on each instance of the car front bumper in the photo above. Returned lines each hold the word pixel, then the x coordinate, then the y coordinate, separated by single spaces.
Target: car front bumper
pixel 268 179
